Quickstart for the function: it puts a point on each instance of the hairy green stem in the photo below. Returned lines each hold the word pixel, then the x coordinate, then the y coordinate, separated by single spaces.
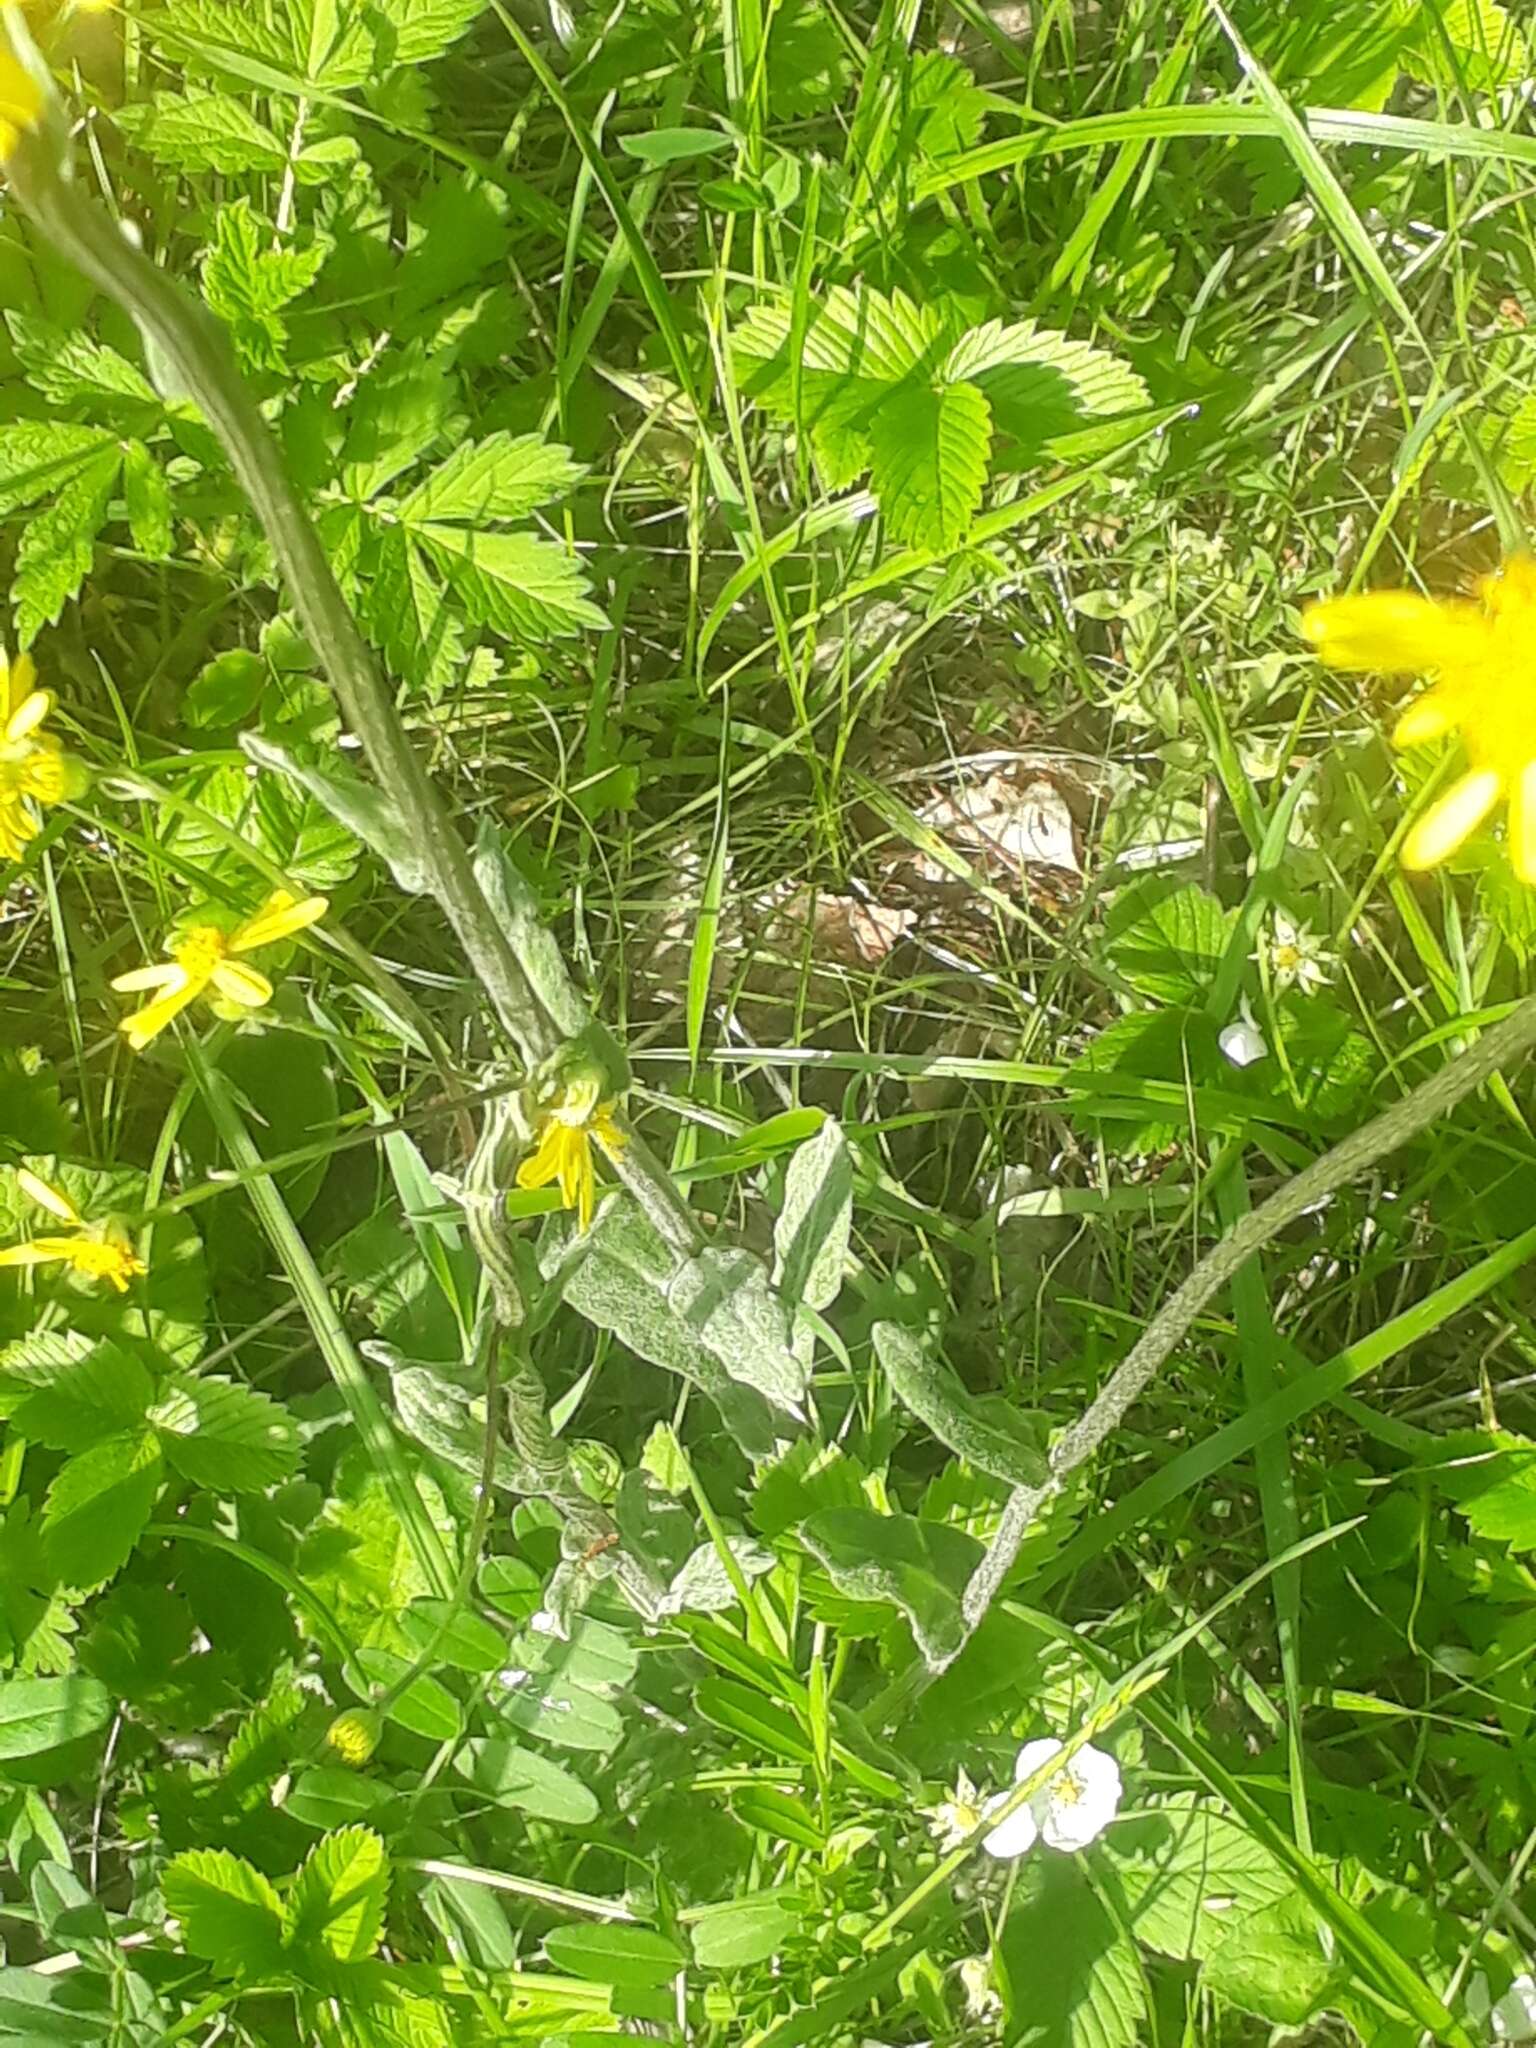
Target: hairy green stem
pixel 1432 1099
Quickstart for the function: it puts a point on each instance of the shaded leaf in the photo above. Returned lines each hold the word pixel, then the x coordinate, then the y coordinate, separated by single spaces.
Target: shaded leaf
pixel 230 1914
pixel 97 1507
pixel 336 1906
pixel 919 1567
pixel 224 1436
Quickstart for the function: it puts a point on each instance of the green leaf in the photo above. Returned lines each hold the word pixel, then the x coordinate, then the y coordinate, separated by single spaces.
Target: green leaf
pixel 201 131
pixel 426 1707
pixel 1186 1870
pixel 1271 1962
pixel 225 691
pixel 97 1507
pixel 224 1436
pixel 40 457
pixel 357 1557
pixel 39 1714
pixel 247 284
pixel 1071 1977
pixel 524 588
pixel 230 1914
pixel 523 1778
pixel 741 1931
pixel 634 1958
pixel 674 145
pixel 455 1635
pixel 629 1281
pixel 936 1396
pixel 419 30
pixel 59 545
pixel 928 462
pixel 65 364
pixel 325 1797
pixel 945 107
pixel 405 608
pixel 1168 943
pixel 919 1567
pixel 1487 50
pixel 147 500
pixel 744 1712
pixel 1040 384
pixel 400 410
pixel 806 1479
pixel 449 1422
pixel 336 1906
pixel 1490 1476
pixel 62 1390
pixel 505 476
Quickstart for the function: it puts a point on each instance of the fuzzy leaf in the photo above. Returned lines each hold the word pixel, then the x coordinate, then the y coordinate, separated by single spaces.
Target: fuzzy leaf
pixel 919 1567
pixel 928 462
pixel 934 1394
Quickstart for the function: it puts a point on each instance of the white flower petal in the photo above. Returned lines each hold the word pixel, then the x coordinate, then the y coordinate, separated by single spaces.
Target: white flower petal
pixel 1033 1755
pixel 1243 1043
pixel 1015 1837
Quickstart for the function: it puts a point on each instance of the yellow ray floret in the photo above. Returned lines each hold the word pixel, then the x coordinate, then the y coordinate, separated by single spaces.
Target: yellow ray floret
pixel 206 959
pixel 564 1151
pixel 21 102
pixel 34 768
pixel 96 1252
pixel 1482 656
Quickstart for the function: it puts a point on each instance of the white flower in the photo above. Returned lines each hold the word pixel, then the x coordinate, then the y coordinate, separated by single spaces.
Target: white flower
pixel 1296 957
pixel 955 1818
pixel 1073 1806
pixel 1242 1041
pixel 1514 2017
pixel 983 2002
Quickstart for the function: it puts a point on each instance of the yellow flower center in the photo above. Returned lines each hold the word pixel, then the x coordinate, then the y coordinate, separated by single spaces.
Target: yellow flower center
pixel 1066 1790
pixel 104 1259
pixel 200 951
pixel 1286 959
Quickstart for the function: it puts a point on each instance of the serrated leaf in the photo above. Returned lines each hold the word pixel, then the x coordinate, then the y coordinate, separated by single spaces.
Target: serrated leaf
pixel 65 364
pixel 936 1396
pixel 41 457
pixel 39 1714
pixel 1168 943
pixel 97 1507
pixel 399 411
pixel 505 476
pixel 248 283
pixel 928 461
pixel 423 29
pixel 201 131
pixel 944 106
pixel 405 609
pixel 62 1390
pixel 1490 1477
pixel 147 499
pixel 224 1436
pixel 1040 383
pixel 1488 51
pixel 59 545
pixel 230 1914
pixel 853 333
pixel 522 587
pixel 337 1903
pixel 1186 1869
pixel 808 1478
pixel 922 1568
pixel 1071 1975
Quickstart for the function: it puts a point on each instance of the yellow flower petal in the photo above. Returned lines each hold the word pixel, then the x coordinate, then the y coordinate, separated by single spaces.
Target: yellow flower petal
pixel 543 1165
pixel 604 1128
pixel 1450 822
pixel 28 716
pixel 149 1022
pixel 17 680
pixel 17 830
pixel 1427 718
pixel 240 984
pixel 278 918
pixel 1397 633
pixel 21 102
pixel 37 1251
pixel 54 1200
pixel 1522 824
pixel 160 975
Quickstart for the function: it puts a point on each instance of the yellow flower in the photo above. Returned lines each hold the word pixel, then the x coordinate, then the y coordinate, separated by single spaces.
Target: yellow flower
pixel 564 1151
pixel 354 1736
pixel 1483 658
pixel 21 102
pixel 207 957
pixel 34 768
pixel 95 1252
